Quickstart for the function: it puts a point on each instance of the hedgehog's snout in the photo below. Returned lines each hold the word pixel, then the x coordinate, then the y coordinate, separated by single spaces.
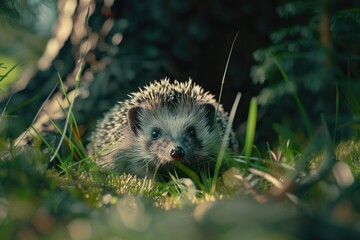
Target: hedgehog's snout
pixel 177 153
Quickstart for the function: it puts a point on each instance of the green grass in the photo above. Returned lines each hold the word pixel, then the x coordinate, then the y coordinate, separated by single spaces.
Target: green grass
pixel 278 194
pixel 80 200
pixel 251 128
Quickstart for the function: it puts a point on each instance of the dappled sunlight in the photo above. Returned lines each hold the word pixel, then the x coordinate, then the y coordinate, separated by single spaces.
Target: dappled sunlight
pixel 64 27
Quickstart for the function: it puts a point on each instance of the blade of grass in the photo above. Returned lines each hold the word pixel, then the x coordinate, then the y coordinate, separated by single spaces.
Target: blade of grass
pixel 8 72
pixel 250 130
pixel 77 142
pixel 6 105
pixel 225 71
pixel 48 145
pixel 21 105
pixel 297 100
pixel 22 136
pixel 73 140
pixel 69 110
pixel 191 174
pixel 74 148
pixel 258 163
pixel 224 143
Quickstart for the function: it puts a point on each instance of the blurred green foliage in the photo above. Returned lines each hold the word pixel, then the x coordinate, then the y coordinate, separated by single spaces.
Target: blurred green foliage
pixel 26 26
pixel 319 56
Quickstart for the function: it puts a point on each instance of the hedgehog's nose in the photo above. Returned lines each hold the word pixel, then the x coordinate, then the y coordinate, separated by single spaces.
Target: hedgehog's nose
pixel 177 153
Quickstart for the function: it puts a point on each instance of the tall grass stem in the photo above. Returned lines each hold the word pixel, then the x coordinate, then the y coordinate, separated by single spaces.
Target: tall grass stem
pixel 224 143
pixel 297 100
pixel 250 130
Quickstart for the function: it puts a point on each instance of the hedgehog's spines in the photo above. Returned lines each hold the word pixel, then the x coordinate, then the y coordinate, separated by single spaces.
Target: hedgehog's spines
pixel 117 132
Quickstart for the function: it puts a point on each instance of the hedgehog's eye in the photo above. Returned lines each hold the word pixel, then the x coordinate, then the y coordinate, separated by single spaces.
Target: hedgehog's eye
pixel 156 133
pixel 191 132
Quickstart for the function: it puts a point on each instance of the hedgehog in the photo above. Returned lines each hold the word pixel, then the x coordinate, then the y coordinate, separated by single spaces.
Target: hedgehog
pixel 161 123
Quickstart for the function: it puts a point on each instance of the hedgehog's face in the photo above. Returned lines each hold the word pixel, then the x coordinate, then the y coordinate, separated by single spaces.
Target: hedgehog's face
pixel 183 133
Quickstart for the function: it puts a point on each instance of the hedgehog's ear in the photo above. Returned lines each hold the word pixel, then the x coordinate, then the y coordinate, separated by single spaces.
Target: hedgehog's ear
pixel 209 114
pixel 134 119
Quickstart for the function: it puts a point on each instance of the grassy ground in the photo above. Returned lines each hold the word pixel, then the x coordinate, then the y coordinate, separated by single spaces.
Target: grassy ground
pixel 83 203
pixel 278 194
